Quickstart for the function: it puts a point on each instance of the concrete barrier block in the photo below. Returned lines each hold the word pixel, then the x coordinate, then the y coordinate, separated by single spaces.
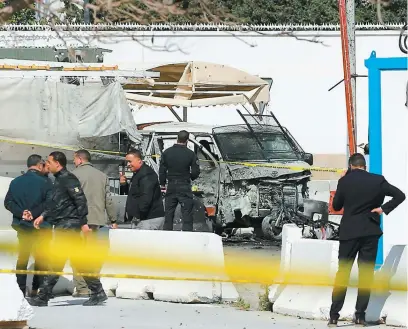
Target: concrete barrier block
pixel 187 291
pixel 311 256
pixel 333 185
pixel 190 246
pixel 13 305
pixel 319 190
pixel 321 257
pixel 290 234
pixel 295 301
pixel 170 291
pixel 134 289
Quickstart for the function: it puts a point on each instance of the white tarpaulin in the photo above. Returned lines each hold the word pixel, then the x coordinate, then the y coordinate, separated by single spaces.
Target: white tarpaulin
pixel 51 111
pixel 194 84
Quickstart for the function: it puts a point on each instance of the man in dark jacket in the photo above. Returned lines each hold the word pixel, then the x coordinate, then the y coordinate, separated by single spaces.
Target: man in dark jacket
pixel 178 167
pixel 67 211
pixel 144 203
pixel 26 199
pixel 361 194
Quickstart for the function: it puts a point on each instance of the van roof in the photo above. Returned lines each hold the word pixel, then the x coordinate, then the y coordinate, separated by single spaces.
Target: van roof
pixel 175 127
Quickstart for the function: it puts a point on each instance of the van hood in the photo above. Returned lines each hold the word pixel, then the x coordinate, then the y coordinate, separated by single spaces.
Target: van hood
pixel 261 171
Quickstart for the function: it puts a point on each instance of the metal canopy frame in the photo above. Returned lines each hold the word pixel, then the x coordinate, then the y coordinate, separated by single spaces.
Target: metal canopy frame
pixel 375 66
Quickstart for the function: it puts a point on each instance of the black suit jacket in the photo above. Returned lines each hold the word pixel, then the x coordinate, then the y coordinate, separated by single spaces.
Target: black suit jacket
pixel 359 192
pixel 144 200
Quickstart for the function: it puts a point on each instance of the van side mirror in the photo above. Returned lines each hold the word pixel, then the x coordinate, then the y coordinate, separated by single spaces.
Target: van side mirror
pixel 308 158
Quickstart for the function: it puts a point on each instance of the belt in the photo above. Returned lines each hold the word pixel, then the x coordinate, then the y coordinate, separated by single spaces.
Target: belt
pixel 179 181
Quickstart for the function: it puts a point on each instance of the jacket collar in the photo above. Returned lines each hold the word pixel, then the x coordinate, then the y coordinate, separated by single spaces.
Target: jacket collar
pixel 142 167
pixel 61 172
pixel 34 171
pixel 85 164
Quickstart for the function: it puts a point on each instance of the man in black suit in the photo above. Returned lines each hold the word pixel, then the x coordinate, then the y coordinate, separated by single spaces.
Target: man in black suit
pixel 361 195
pixel 144 203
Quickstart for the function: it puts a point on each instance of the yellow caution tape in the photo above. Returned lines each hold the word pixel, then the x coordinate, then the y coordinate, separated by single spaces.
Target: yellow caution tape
pixel 238 267
pixel 56 146
pixel 271 165
pixel 48 68
pixel 379 285
pixel 246 164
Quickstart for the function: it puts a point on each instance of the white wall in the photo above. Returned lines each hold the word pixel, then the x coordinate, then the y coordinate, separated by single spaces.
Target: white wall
pixel 394 148
pixel 303 71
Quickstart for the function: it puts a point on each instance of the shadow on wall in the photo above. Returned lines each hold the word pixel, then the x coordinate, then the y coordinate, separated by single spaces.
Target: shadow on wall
pixel 388 271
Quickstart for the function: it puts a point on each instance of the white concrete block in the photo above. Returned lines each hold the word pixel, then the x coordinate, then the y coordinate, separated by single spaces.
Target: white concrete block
pixel 319 190
pixel 134 289
pixel 188 246
pixel 296 301
pixel 319 257
pixel 290 234
pixel 187 291
pixel 13 306
pixel 333 185
pixel 229 293
pixel 170 291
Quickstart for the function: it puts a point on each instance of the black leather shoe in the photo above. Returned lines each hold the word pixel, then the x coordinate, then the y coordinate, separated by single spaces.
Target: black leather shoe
pixel 37 301
pixel 332 323
pixel 96 299
pixel 360 321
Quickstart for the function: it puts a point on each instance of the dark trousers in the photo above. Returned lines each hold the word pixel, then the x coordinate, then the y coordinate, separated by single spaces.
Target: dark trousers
pixel 57 264
pixel 30 242
pixel 366 248
pixel 178 193
pixel 99 234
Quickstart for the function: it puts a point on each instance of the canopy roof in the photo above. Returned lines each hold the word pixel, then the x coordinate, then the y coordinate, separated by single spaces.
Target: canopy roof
pixel 194 84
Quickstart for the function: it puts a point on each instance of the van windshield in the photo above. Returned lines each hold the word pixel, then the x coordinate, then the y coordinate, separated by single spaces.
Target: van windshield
pixel 241 146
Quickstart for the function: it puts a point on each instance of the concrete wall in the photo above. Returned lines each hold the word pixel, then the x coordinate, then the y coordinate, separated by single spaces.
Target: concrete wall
pixel 394 161
pixel 303 71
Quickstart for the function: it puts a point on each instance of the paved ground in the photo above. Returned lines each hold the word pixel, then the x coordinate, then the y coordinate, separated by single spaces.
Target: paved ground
pixel 260 249
pixel 67 313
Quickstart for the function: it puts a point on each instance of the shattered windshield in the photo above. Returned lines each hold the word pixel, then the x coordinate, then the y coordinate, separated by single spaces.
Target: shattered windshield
pixel 241 146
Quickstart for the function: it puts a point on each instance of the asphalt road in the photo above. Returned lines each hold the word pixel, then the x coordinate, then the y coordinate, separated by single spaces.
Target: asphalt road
pixel 254 249
pixel 68 313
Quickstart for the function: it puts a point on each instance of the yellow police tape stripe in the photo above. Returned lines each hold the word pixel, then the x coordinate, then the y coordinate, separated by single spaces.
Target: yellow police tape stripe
pixel 55 146
pixel 49 68
pixel 272 165
pixel 246 164
pixel 238 267
pixel 378 285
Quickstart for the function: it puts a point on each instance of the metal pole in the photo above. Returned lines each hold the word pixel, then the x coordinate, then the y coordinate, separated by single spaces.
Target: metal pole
pixel 351 33
pixel 347 77
pixel 184 113
pixel 86 12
